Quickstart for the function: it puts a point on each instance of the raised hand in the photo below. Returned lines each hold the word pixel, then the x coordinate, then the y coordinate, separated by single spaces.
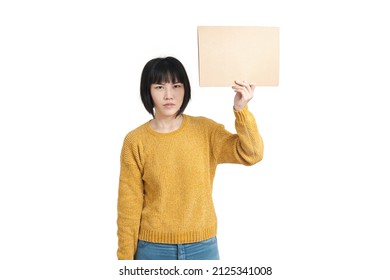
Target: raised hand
pixel 244 93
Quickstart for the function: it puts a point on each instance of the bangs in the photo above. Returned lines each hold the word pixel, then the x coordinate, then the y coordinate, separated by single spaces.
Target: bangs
pixel 165 72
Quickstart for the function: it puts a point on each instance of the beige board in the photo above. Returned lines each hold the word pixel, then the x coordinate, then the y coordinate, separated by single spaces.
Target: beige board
pixel 247 53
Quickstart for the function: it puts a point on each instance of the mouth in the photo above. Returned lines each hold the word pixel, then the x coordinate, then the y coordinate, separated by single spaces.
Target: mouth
pixel 168 105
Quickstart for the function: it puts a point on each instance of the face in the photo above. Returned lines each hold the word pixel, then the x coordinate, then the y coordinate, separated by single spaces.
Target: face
pixel 167 99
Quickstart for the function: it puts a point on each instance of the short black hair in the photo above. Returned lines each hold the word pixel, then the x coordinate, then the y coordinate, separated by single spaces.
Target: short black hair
pixel 163 70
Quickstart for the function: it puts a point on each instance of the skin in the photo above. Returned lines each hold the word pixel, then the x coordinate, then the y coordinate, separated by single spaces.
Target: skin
pixel 173 93
pixel 165 115
pixel 244 93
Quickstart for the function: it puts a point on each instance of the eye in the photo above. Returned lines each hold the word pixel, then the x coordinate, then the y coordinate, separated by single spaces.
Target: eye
pixel 159 87
pixel 179 85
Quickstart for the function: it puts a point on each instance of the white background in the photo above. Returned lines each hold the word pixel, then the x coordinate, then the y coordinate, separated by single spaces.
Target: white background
pixel 316 207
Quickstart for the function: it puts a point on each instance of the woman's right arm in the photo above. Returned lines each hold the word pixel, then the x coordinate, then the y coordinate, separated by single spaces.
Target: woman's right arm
pixel 130 202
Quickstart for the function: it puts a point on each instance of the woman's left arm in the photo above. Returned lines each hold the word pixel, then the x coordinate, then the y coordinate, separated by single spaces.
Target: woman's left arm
pixel 245 147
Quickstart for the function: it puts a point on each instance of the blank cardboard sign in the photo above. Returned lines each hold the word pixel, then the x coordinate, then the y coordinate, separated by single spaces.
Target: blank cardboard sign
pixel 228 53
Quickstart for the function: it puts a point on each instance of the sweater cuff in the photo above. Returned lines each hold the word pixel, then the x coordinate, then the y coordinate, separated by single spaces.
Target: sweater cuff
pixel 242 115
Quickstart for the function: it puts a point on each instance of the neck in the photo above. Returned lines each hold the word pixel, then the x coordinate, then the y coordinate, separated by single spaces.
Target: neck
pixel 166 124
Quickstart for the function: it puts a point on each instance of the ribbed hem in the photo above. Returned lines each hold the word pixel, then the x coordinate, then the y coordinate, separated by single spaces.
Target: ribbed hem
pixel 177 237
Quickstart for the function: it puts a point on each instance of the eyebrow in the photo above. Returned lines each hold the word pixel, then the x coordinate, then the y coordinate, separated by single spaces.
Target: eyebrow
pixel 164 83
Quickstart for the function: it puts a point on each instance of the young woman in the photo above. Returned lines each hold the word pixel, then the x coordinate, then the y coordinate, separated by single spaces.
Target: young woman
pixel 165 207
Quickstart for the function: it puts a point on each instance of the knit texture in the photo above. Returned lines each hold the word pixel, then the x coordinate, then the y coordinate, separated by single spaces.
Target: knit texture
pixel 166 179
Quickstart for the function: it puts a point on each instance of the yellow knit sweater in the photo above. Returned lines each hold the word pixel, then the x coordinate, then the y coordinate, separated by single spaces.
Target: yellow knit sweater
pixel 166 179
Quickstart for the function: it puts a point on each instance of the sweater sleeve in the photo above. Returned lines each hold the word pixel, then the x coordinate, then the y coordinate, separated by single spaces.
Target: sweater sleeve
pixel 130 202
pixel 245 147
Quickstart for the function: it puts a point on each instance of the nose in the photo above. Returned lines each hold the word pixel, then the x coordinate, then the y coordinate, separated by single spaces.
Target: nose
pixel 168 93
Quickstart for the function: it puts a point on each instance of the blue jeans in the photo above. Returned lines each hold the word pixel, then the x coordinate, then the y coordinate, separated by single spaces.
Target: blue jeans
pixel 203 250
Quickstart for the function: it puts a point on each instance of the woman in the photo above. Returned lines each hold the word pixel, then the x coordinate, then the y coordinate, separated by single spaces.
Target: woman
pixel 165 207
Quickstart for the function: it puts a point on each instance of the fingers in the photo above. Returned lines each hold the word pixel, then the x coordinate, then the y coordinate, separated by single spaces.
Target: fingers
pixel 244 84
pixel 244 93
pixel 244 88
pixel 241 83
